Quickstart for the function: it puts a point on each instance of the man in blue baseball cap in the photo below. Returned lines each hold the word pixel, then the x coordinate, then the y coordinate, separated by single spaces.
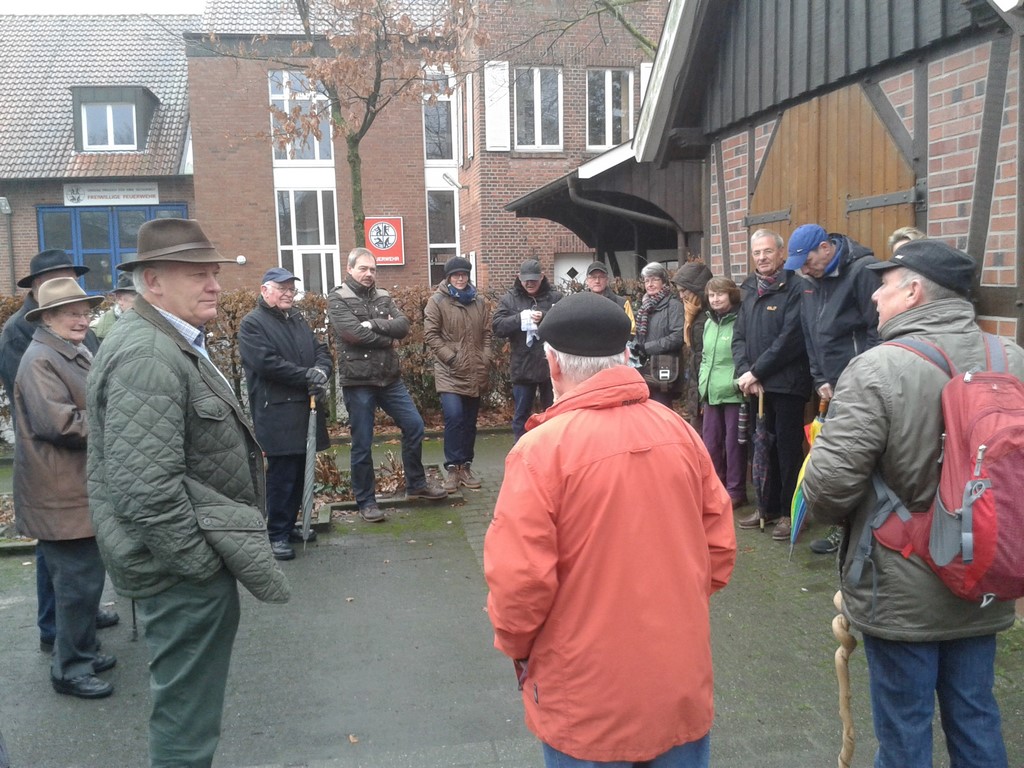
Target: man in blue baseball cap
pixel 838 317
pixel 284 365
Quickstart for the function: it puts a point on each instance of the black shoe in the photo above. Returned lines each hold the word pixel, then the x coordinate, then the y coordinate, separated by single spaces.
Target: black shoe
pixel 829 544
pixel 295 537
pixel 103 662
pixel 427 491
pixel 45 646
pixel 282 550
pixel 106 619
pixel 83 686
pixel 371 513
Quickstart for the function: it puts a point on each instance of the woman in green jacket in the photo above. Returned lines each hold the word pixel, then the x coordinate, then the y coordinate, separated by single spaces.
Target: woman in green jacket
pixel 718 391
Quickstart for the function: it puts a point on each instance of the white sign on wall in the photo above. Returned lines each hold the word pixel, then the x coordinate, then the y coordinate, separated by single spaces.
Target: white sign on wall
pixel 112 193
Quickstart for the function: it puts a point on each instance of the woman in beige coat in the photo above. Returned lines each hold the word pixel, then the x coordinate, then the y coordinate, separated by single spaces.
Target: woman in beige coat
pixel 50 499
pixel 457 328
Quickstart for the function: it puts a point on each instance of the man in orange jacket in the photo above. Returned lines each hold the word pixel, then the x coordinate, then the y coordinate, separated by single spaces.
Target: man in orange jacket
pixel 600 591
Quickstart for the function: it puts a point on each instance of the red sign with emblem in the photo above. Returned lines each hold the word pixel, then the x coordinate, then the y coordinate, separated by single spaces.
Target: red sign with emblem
pixel 384 239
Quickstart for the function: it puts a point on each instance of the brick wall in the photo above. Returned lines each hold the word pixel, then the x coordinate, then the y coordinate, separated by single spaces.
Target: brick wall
pixel 500 240
pixel 956 88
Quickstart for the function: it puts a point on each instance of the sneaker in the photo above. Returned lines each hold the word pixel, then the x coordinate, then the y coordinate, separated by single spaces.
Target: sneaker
pixel 427 491
pixel 371 513
pixel 468 479
pixel 782 529
pixel 295 537
pixel 451 483
pixel 829 544
pixel 282 550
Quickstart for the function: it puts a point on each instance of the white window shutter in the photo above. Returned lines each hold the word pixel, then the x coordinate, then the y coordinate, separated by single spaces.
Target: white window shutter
pixel 497 130
pixel 645 78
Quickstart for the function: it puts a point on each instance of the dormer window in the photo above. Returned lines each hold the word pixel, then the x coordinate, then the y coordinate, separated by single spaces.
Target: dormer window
pixel 112 119
pixel 108 126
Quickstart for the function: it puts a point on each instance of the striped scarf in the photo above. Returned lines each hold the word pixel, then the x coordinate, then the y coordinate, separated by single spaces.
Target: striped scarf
pixel 644 315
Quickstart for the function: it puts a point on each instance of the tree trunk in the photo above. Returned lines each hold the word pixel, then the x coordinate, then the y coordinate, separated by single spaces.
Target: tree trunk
pixel 355 167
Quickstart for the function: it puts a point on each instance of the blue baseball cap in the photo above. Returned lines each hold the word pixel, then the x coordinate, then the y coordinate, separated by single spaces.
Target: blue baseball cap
pixel 278 275
pixel 806 238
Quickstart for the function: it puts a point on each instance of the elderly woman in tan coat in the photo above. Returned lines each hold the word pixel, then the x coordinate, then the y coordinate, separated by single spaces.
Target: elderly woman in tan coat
pixel 50 499
pixel 457 328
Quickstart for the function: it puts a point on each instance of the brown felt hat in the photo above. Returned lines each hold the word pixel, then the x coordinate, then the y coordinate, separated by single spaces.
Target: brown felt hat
pixel 58 292
pixel 173 240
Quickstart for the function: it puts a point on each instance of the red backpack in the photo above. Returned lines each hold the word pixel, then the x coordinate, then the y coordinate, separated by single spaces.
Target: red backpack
pixel 972 535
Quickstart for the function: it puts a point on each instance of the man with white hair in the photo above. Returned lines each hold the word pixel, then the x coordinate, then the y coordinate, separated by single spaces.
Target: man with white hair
pixel 598 595
pixel 285 364
pixel 923 643
pixel 176 488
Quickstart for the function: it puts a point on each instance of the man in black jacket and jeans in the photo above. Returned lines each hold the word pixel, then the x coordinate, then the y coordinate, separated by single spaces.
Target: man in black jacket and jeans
pixel 284 365
pixel 838 317
pixel 367 327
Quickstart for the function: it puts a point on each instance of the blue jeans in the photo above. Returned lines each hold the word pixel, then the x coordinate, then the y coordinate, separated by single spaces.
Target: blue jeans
pixel 523 395
pixel 695 754
pixel 460 414
pixel 395 401
pixel 285 477
pixel 905 679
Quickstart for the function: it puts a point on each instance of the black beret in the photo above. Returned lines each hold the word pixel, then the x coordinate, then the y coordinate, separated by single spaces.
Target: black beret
pixel 587 325
pixel 936 260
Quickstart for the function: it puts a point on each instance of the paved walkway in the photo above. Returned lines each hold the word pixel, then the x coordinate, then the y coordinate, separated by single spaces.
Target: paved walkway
pixel 383 659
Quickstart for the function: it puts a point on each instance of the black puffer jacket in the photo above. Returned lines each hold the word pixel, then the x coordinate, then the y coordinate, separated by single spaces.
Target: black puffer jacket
pixel 277 348
pixel 769 340
pixel 529 366
pixel 366 356
pixel 839 318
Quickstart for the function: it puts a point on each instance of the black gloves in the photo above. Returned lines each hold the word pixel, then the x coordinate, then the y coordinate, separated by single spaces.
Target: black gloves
pixel 316 381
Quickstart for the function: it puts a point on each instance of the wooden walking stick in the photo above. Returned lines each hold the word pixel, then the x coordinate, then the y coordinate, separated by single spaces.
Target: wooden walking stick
pixel 847 643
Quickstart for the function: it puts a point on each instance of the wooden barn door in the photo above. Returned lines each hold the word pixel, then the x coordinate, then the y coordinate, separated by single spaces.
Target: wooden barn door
pixel 832 162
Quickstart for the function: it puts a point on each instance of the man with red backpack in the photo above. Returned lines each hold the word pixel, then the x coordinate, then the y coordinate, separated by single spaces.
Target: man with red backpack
pixel 884 433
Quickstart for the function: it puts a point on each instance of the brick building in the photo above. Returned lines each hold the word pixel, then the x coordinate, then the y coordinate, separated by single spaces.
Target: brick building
pixel 92 144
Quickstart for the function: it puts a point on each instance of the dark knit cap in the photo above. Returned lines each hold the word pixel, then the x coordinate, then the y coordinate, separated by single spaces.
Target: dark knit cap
pixel 587 325
pixel 457 264
pixel 692 276
pixel 936 260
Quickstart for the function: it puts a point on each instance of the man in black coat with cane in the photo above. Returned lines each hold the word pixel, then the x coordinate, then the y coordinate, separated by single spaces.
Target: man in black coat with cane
pixel 284 365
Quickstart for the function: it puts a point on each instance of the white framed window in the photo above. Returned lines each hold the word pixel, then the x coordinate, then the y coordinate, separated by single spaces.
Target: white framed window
pixel 294 100
pixel 307 230
pixel 609 107
pixel 442 230
pixel 538 108
pixel 108 126
pixel 438 120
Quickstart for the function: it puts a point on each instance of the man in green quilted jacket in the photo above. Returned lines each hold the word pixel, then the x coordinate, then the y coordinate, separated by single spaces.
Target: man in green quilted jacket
pixel 176 488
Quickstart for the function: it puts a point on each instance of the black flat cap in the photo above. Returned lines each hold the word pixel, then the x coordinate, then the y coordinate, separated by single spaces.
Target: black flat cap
pixel 587 325
pixel 936 260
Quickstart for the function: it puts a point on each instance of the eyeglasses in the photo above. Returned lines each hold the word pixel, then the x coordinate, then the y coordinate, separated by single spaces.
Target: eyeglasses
pixel 76 315
pixel 286 291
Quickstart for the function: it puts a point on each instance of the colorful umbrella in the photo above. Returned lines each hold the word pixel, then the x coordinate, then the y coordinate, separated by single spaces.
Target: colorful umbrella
pixel 761 461
pixel 307 484
pixel 798 509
